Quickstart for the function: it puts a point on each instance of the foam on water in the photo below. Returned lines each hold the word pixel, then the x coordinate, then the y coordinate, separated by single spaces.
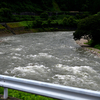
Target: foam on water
pixel 78 76
pixel 1 53
pixel 30 70
pixel 16 49
pixel 17 54
pixel 41 55
pixel 14 57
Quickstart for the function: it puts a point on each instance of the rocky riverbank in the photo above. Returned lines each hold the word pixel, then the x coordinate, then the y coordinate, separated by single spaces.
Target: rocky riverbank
pixel 17 31
pixel 82 42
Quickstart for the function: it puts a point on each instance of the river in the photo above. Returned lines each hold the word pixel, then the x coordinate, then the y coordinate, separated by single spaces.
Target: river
pixel 52 57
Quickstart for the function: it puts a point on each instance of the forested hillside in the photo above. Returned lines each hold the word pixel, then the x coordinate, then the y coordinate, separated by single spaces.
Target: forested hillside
pixel 92 6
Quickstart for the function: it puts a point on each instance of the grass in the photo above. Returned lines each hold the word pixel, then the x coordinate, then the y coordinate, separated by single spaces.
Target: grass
pixel 25 23
pixel 19 24
pixel 2 27
pixel 23 95
pixel 89 42
pixel 90 48
pixel 14 25
pixel 97 46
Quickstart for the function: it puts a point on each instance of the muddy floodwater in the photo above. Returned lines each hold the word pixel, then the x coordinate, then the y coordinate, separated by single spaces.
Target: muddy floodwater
pixel 52 57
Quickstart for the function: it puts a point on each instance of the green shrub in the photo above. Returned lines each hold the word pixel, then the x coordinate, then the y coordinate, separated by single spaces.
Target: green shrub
pixel 89 42
pixel 85 14
pixel 23 18
pixel 49 22
pixel 44 24
pixel 28 26
pixel 65 21
pixel 54 23
pixel 37 23
pixel 2 27
pixel 97 46
pixel 78 16
pixel 98 13
pixel 60 16
pixel 82 15
pixel 60 22
pixel 5 14
pixel 53 17
pixel 69 21
pixel 44 15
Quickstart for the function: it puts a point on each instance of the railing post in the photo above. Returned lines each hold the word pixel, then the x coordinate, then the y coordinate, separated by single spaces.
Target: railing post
pixel 5 93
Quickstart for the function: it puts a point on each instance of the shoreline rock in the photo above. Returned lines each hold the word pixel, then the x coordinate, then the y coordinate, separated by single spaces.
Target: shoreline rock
pixel 82 42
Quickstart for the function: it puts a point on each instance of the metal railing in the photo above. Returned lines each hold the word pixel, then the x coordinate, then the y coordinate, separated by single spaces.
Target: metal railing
pixel 47 89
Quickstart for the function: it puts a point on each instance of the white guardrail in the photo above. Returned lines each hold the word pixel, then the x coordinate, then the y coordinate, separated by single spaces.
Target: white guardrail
pixel 47 89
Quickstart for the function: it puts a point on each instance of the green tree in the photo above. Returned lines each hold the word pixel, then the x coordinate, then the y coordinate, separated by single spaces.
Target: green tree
pixel 44 15
pixel 64 21
pixel 37 23
pixel 89 27
pixel 49 22
pixel 5 14
pixel 69 21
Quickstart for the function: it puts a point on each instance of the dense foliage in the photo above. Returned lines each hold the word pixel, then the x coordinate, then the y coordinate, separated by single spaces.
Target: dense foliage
pixel 92 6
pixel 5 14
pixel 79 5
pixel 20 8
pixel 90 29
pixel 60 23
pixel 44 15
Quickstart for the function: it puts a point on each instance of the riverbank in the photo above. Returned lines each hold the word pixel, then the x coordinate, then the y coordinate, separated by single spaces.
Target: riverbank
pixel 82 42
pixel 17 31
pixel 22 30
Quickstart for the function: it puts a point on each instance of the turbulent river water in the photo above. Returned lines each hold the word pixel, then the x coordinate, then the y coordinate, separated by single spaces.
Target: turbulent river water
pixel 49 57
